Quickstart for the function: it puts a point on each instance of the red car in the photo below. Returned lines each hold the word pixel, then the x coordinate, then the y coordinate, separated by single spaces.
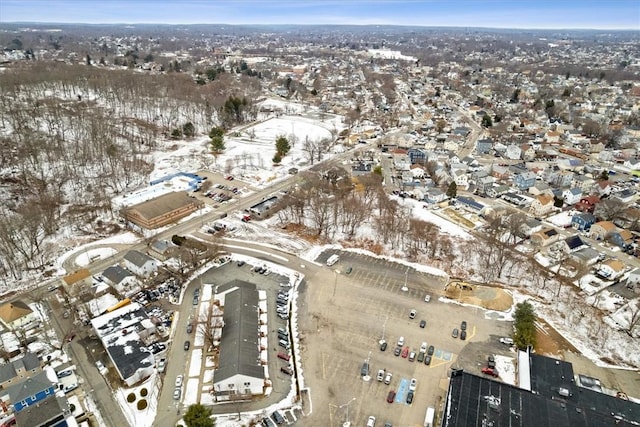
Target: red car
pixel 490 371
pixel 246 218
pixel 391 396
pixel 405 352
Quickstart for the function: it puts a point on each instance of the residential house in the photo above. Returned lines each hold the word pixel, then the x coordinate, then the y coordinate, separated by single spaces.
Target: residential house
pixel 469 204
pixel 601 230
pixel 497 191
pixel 17 370
pixel 587 204
pixel 76 283
pixel 32 390
pixel 401 161
pixel 513 152
pixel 545 237
pixel 560 178
pixel 140 264
pixel 500 172
pixel 435 195
pixel 632 163
pixel 160 249
pixel 540 188
pixel 583 221
pixel 541 205
pixel 573 244
pixel 461 178
pixel 628 218
pixel 54 411
pixel 527 152
pixel 524 180
pixel 588 255
pixel 611 269
pixel 572 196
pixel 16 315
pixel 417 155
pixel 634 278
pixel 582 182
pixel 530 226
pixel 626 196
pixel 484 146
pixel 621 238
pixel 484 184
pixel 516 199
pixel 604 188
pixel 120 279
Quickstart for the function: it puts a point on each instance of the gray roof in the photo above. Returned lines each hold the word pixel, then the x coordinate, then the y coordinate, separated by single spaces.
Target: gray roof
pixel 28 362
pixel 29 387
pixel 161 246
pixel 46 412
pixel 116 274
pixel 239 352
pixel 137 258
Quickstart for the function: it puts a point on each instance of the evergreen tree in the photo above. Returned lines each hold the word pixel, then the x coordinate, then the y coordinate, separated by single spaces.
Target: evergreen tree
pixel 217 139
pixel 452 191
pixel 198 415
pixel 524 325
pixel 282 146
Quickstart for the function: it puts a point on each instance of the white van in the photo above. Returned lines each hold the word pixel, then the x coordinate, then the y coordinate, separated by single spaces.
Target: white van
pixel 428 419
pixel 333 259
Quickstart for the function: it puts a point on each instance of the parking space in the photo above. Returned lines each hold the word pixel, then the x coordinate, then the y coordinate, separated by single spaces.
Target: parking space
pixel 348 315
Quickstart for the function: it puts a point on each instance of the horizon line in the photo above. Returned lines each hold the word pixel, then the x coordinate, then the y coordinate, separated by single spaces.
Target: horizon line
pixel 329 25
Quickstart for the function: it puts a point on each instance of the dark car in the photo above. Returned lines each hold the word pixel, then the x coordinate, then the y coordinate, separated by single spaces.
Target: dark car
pixel 397 351
pixel 187 345
pixel 391 396
pixel 189 328
pixel 349 270
pixel 423 323
pixel 463 335
pixel 279 419
pixel 431 350
pixel 287 370
pixel 463 325
pixel 455 332
pixel 364 371
pixel 383 346
pixel 427 360
pixel 241 263
pixel 409 398
pixel 491 361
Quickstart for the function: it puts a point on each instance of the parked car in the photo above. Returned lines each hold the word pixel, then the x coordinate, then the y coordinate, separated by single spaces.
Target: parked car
pixel 421 357
pixel 454 334
pixel 241 263
pixel 463 325
pixel 277 416
pixel 391 396
pixel 187 345
pixel 400 341
pixel 371 421
pixel 490 371
pixel 286 370
pixel 423 347
pixel 189 328
pixel 364 370
pixel 177 393
pixel 413 384
pixel 284 356
pixel 427 360
pixel 507 341
pixel 383 346
pixel 412 356
pixel 405 352
pixel 412 314
pixel 463 335
pixel 179 379
pixel 423 323
pixel 409 398
pixel 349 270
pixel 491 361
pixel 388 378
pixel 427 298
pixel 430 350
pixel 380 376
pixel 397 351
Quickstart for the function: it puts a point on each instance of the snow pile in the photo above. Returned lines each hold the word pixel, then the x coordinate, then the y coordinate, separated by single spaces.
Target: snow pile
pixel 506 368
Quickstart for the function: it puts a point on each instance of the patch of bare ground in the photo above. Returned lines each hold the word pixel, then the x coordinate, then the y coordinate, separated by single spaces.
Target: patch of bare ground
pixel 366 244
pixel 550 342
pixel 489 297
pixel 303 232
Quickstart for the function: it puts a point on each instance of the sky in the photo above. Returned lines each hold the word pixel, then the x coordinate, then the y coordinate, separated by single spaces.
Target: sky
pixel 558 14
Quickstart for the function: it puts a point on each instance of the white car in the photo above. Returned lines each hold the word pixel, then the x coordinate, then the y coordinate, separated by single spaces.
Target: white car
pixel 423 347
pixel 400 341
pixel 178 380
pixel 387 379
pixel 427 298
pixel 371 421
pixel 380 375
pixel 413 384
pixel 507 341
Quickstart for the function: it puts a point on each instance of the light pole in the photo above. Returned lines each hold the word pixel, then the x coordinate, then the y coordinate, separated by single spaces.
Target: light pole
pixel 384 325
pixel 347 423
pixel 406 274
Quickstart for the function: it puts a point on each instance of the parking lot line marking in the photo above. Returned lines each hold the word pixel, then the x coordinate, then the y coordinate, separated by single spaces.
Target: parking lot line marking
pixel 472 333
pixel 438 362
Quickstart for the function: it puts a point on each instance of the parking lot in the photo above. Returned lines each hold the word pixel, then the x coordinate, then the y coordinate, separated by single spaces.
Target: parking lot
pixel 344 317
